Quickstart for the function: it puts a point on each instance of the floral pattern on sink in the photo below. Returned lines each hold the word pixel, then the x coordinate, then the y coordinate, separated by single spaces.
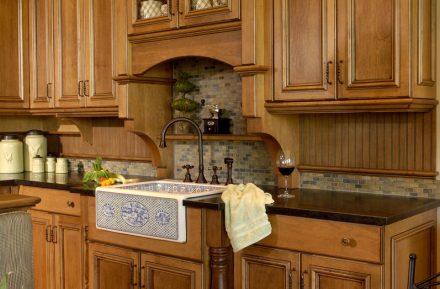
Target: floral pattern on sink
pixel 149 209
pixel 138 215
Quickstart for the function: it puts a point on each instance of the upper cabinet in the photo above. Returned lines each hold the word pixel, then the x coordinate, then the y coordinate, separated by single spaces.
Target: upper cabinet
pixel 73 55
pixel 353 55
pixel 158 15
pixel 14 72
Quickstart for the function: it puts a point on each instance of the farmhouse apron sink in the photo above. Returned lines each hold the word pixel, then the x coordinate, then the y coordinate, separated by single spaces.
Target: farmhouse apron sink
pixel 151 209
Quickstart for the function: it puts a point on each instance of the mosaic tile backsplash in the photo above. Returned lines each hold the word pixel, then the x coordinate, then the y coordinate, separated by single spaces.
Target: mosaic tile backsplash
pixel 217 84
pixel 415 187
pixel 120 167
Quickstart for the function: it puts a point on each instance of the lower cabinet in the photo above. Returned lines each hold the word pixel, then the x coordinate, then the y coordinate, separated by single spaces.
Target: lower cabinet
pixel 304 253
pixel 112 267
pixel 319 272
pixel 58 246
pixel 263 268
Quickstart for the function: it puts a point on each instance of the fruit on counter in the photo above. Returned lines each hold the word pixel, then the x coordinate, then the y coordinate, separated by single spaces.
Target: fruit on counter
pixel 102 176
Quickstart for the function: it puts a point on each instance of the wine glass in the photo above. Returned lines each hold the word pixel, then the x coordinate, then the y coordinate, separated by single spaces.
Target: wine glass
pixel 285 167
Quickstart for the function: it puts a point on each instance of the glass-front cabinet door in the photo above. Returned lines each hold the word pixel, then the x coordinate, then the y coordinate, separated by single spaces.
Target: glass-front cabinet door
pixel 159 15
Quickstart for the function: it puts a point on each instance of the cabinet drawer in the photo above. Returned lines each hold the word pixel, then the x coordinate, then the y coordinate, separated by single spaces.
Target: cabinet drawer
pixel 57 201
pixel 332 238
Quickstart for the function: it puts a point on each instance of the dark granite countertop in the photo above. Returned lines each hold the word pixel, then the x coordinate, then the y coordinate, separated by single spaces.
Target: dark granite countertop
pixel 373 209
pixel 352 207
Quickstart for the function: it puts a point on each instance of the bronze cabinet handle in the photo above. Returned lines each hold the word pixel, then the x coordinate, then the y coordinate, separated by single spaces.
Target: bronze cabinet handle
pixel 48 90
pixel 80 88
pixel 54 235
pixel 48 237
pixel 71 204
pixel 348 242
pixel 327 72
pixel 133 275
pixel 338 71
pixel 86 88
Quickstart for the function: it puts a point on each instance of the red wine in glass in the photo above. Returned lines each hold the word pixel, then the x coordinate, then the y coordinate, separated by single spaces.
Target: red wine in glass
pixel 285 166
pixel 286 171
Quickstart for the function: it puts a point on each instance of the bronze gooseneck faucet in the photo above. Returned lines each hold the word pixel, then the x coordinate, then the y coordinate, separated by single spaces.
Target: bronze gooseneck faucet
pixel 163 144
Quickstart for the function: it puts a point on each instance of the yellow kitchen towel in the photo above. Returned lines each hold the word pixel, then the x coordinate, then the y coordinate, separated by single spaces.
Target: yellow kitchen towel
pixel 246 220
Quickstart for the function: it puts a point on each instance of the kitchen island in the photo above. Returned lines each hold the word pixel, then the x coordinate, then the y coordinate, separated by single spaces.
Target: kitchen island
pixel 319 238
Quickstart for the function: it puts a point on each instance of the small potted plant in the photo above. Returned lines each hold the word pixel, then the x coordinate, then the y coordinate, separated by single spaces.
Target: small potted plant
pixel 185 106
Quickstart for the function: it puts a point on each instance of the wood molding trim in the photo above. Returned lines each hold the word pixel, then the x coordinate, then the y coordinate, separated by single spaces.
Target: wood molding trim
pixel 351 106
pixel 125 79
pixel 307 168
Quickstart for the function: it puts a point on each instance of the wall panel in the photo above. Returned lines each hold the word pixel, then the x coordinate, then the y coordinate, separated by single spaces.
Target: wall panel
pixel 384 143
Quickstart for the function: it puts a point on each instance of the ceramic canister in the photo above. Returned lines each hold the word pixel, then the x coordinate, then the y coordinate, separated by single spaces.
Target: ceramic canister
pixel 11 155
pixel 50 164
pixel 35 143
pixel 61 166
pixel 38 164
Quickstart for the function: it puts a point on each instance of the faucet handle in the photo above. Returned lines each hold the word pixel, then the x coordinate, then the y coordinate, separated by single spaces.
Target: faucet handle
pixel 188 174
pixel 228 162
pixel 214 180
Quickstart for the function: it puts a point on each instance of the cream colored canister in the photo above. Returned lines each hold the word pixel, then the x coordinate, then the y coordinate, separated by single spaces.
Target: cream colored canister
pixel 35 143
pixel 11 155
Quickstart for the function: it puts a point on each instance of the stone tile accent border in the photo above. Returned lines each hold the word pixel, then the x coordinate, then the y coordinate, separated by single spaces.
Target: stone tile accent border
pixel 415 187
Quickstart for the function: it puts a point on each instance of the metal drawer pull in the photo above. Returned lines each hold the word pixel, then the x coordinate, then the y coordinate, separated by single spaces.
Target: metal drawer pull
pixel 327 72
pixel 338 71
pixel 47 234
pixel 133 276
pixel 53 234
pixel 80 87
pixel 71 204
pixel 348 242
pixel 48 90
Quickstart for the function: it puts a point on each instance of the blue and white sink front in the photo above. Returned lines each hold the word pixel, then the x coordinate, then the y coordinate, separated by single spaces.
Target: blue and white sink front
pixel 148 209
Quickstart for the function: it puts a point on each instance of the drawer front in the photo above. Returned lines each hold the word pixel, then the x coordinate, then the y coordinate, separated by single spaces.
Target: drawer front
pixel 332 238
pixel 57 201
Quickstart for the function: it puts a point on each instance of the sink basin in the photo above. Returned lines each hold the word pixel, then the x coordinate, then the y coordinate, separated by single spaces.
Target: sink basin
pixel 151 209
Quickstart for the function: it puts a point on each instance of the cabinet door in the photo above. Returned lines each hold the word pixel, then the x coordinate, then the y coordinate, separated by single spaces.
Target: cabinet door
pixel 69 247
pixel 151 16
pixel 318 272
pixel 112 267
pixel 158 272
pixel 14 70
pixel 42 250
pixel 200 12
pixel 68 45
pixel 262 268
pixel 100 55
pixel 304 45
pixel 373 48
pixel 41 53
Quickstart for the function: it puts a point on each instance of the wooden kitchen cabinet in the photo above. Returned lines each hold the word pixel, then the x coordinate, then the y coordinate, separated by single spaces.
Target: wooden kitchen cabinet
pixel 180 13
pixel 14 73
pixel 361 51
pixel 114 267
pixel 58 246
pixel 319 272
pixel 58 239
pixel 73 53
pixel 262 268
pixel 337 254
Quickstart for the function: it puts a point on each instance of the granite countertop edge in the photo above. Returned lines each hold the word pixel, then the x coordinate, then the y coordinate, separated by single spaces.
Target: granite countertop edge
pixel 304 207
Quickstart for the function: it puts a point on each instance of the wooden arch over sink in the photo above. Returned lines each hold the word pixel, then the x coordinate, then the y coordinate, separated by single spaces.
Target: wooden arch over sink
pixel 223 45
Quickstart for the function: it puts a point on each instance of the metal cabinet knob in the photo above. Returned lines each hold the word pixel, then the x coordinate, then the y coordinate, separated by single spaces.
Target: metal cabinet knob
pixel 348 242
pixel 70 204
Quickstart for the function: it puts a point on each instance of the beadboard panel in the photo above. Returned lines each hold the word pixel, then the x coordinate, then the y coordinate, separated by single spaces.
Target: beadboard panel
pixel 110 140
pixel 384 143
